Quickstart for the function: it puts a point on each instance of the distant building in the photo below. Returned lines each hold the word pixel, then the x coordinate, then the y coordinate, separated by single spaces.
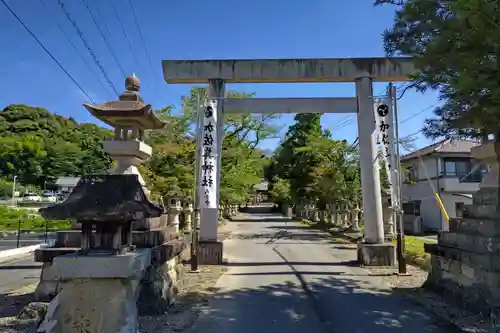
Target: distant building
pixel 446 167
pixel 66 184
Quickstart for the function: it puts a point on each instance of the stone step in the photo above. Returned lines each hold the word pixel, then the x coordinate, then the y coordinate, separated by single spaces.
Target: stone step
pixel 475 226
pixel 466 286
pixel 487 261
pixel 470 242
pixel 480 211
pixel 48 254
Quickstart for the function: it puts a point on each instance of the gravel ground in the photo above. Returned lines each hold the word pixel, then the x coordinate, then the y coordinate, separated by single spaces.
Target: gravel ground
pixel 11 304
pixel 410 286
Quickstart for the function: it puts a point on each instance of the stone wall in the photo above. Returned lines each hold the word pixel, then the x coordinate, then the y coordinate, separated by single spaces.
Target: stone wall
pixel 465 264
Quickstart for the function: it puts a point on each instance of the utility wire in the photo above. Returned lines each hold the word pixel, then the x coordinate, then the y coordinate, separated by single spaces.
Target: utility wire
pixel 125 33
pixel 48 52
pixel 142 39
pixel 103 37
pixel 73 45
pixel 84 41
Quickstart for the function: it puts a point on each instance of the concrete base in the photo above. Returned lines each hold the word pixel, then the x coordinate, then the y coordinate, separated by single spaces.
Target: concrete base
pixel 100 293
pixel 377 254
pixel 210 252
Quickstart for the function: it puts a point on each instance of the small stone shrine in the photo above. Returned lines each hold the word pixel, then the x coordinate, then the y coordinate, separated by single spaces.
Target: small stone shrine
pixel 114 270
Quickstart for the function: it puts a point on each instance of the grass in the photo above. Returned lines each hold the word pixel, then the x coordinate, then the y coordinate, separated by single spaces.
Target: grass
pixel 12 219
pixel 414 246
pixel 414 252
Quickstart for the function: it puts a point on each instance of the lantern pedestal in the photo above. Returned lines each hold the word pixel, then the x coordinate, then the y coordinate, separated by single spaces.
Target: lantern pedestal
pixel 128 155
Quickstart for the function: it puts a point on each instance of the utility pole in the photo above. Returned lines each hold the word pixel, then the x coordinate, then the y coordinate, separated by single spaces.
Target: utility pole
pixel 400 232
pixel 196 221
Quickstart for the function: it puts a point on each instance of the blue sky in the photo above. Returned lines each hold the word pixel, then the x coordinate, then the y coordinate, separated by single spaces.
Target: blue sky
pixel 190 29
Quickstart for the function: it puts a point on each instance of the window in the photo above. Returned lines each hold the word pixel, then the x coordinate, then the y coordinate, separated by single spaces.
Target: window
pixel 456 166
pixel 411 174
pixel 465 168
pixel 459 209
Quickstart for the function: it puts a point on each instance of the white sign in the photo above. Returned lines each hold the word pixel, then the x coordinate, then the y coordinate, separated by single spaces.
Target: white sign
pixel 385 138
pixel 209 157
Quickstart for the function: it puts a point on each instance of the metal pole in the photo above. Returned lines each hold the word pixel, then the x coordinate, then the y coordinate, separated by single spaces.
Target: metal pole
pixel 14 191
pixel 400 238
pixel 18 233
pixel 194 241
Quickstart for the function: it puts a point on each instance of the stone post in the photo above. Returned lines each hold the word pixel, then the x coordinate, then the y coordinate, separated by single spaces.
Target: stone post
pixel 315 215
pixel 188 214
pixel 174 210
pixel 355 218
pixel 330 214
pixel 370 178
pixel 210 214
pixel 388 214
pixel 373 251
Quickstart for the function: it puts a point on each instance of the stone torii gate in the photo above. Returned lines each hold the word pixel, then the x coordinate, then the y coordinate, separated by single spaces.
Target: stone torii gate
pixel 361 71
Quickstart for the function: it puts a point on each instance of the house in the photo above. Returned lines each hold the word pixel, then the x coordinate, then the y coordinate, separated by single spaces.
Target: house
pixel 447 168
pixel 66 184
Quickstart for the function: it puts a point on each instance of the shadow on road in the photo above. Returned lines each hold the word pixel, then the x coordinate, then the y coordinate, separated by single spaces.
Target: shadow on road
pixel 340 303
pixel 351 263
pixel 11 267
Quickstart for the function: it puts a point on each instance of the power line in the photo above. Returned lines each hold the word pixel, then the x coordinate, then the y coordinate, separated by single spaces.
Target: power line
pixel 125 33
pixel 142 39
pixel 103 36
pixel 48 52
pixel 417 113
pixel 73 45
pixel 84 41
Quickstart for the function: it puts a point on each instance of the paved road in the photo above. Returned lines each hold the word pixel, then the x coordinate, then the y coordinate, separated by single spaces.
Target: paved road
pixel 10 241
pixel 18 272
pixel 303 283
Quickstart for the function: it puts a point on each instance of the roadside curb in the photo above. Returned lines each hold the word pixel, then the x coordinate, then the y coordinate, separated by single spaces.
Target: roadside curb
pixel 8 254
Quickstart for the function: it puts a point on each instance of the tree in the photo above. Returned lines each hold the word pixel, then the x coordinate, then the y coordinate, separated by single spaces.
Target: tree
pixel 38 146
pixel 456 45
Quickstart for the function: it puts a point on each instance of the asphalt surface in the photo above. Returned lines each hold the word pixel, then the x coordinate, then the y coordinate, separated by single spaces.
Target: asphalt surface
pixel 10 241
pixel 18 272
pixel 297 281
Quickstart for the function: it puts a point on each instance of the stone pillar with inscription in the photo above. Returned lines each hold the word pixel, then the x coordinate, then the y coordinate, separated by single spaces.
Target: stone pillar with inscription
pixel 373 251
pixel 210 141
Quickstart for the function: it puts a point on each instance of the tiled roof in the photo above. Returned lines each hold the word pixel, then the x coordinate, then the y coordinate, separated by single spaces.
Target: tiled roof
pixel 67 181
pixel 445 146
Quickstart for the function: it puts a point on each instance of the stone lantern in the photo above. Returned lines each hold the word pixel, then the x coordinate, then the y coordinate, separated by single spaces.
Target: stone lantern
pixel 388 214
pixel 188 215
pixel 130 117
pixel 174 209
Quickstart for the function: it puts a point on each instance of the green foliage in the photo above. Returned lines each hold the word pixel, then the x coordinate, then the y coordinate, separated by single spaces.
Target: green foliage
pixel 6 188
pixel 456 46
pixel 38 146
pixel 310 167
pixel 10 219
pixel 170 171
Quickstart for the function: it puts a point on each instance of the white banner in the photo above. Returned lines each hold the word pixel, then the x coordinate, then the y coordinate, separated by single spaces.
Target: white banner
pixel 209 157
pixel 385 138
